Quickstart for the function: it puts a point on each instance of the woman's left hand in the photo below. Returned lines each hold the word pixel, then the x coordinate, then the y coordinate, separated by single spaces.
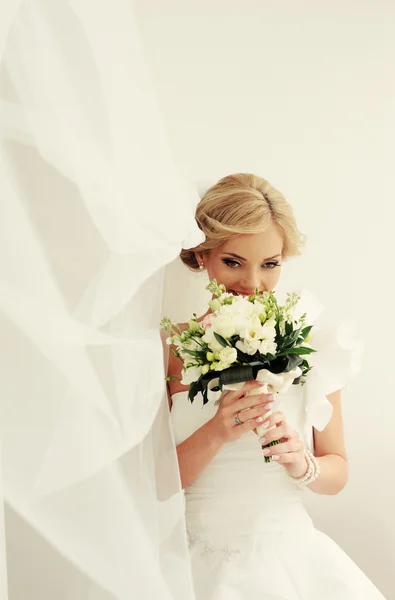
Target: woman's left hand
pixel 290 452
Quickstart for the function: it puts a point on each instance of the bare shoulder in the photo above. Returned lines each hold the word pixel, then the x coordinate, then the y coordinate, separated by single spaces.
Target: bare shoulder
pixel 174 367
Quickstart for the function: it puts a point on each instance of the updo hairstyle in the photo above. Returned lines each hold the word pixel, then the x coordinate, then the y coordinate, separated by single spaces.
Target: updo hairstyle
pixel 243 203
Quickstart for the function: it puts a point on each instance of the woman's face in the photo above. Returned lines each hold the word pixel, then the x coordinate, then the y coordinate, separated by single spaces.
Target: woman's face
pixel 247 261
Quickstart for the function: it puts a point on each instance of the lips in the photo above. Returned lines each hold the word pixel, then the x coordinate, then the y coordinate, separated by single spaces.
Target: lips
pixel 236 293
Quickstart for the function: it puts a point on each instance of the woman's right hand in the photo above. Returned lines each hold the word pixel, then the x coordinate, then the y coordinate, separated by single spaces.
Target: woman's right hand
pixel 249 408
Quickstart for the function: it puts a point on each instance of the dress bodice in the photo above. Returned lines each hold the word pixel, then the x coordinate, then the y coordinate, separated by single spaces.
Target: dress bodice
pixel 238 491
pixel 238 486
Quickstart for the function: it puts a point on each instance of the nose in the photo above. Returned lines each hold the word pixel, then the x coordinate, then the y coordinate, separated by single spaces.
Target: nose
pixel 251 282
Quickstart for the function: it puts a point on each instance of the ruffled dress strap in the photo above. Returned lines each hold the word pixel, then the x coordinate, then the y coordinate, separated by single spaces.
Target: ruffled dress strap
pixel 335 364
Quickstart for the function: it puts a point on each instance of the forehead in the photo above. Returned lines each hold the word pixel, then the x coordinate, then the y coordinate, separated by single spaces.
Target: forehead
pixel 267 243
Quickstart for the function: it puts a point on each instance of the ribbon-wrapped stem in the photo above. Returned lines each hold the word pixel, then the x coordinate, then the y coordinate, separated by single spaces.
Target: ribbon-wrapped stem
pixel 272 383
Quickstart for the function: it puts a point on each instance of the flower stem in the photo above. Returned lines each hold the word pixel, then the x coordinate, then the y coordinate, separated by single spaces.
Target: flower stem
pixel 274 443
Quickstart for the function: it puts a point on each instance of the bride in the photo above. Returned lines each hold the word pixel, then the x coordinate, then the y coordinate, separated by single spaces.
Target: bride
pixel 250 536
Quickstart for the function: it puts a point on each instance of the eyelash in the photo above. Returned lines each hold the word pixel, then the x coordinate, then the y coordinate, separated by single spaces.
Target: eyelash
pixel 227 262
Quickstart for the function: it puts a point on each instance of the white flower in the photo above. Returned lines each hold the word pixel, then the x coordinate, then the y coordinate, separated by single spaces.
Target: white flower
pixel 270 323
pixel 259 310
pixel 224 296
pixel 192 344
pixel 194 325
pixel 206 322
pixel 228 355
pixel 268 331
pixel 248 346
pixel 223 325
pixel 252 333
pixel 186 358
pixel 267 347
pixel 221 366
pixel 214 304
pixel 209 339
pixel 190 375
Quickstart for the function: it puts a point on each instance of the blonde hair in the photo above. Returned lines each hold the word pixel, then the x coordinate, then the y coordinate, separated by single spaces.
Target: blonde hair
pixel 243 203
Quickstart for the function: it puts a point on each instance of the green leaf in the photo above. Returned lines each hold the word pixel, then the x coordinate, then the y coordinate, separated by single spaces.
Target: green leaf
pixel 198 353
pixel 298 351
pixel 193 390
pixel 305 331
pixel 288 328
pixel 221 340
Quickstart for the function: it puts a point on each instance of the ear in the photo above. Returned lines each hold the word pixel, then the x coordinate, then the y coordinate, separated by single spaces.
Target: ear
pixel 199 258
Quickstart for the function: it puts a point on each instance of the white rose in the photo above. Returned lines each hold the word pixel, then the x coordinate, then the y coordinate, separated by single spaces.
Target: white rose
pixel 209 339
pixel 224 326
pixel 190 375
pixel 248 346
pixel 228 355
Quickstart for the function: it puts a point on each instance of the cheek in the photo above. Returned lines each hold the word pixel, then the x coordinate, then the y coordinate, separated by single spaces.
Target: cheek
pixel 216 270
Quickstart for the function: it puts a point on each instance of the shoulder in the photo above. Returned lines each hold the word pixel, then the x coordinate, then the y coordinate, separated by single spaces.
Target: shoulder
pixel 174 367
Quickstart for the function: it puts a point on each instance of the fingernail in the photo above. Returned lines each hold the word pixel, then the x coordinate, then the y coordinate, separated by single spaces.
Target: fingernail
pixel 270 397
pixel 266 451
pixel 259 419
pixel 266 424
pixel 262 440
pixel 275 457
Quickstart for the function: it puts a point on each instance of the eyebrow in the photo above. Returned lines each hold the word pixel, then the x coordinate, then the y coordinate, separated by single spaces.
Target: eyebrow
pixel 241 258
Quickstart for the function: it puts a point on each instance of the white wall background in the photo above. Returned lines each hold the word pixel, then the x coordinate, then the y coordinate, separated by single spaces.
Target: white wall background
pixel 303 94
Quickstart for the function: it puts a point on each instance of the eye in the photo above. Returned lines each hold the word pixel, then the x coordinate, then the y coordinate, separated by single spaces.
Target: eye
pixel 274 264
pixel 230 263
pixel 233 264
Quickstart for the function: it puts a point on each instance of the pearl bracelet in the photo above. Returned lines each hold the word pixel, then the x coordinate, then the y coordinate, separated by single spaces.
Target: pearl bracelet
pixel 313 470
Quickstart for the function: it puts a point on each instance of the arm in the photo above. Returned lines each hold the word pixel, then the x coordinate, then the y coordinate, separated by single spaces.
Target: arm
pixel 330 450
pixel 333 475
pixel 196 452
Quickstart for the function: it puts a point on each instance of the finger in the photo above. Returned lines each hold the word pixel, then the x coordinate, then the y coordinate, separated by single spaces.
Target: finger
pixel 287 457
pixel 280 432
pixel 252 413
pixel 275 418
pixel 251 401
pixel 277 433
pixel 231 396
pixel 283 448
pixel 247 426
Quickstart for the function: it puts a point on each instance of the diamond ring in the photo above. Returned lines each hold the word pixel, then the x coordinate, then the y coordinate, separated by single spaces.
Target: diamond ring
pixel 237 420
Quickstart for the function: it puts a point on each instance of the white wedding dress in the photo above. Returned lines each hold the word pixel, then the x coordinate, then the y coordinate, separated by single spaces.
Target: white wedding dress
pixel 250 536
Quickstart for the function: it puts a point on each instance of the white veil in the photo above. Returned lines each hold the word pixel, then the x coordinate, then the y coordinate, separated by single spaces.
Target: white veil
pixel 92 209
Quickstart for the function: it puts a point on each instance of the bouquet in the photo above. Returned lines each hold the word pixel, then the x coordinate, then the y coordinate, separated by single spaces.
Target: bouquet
pixel 242 338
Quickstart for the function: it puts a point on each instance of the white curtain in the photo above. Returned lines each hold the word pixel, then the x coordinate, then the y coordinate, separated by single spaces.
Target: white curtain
pixel 92 209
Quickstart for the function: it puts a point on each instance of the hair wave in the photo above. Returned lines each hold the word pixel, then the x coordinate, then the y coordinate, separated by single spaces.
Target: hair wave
pixel 243 203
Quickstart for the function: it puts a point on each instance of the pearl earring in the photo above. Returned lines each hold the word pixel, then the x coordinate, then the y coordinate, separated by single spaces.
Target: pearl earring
pixel 201 266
